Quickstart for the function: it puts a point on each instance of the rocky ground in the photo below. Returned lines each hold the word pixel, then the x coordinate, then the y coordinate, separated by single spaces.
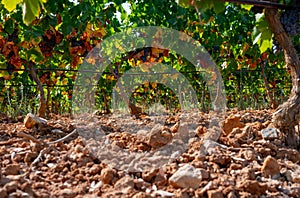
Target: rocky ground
pixel 61 158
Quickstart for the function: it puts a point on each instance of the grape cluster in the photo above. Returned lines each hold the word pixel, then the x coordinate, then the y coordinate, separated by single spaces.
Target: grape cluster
pixel 276 46
pixel 290 21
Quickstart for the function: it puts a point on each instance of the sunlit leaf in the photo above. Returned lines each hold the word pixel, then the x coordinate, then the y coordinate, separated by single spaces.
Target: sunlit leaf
pixel 10 5
pixel 31 10
pixel 246 7
pixel 262 34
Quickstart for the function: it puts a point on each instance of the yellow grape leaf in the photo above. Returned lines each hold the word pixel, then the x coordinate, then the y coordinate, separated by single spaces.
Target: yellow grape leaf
pixel 239 66
pixel 21 71
pixel 100 32
pixel 265 44
pixel 64 81
pixel 138 62
pixel 10 5
pixel 25 44
pixel 131 62
pixel 246 7
pixel 154 85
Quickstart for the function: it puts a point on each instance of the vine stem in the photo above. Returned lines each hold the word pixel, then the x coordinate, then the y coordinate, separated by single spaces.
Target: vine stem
pixel 273 103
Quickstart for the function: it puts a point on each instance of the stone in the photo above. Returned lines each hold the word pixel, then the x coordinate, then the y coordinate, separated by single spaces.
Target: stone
pixel 249 155
pixel 215 194
pixel 231 195
pixel 222 160
pixel 31 121
pixel 3 192
pixel 254 187
pixel 12 169
pixel 107 175
pixel 175 128
pixel 186 177
pixel 141 134
pixel 26 187
pixel 209 146
pixel 124 182
pixel 29 157
pixel 232 122
pixel 270 133
pixel 141 195
pixel 295 176
pixel 159 136
pixel 68 193
pixel 290 154
pixel 162 193
pixel 148 176
pixel 11 186
pixel 270 167
pixel 204 173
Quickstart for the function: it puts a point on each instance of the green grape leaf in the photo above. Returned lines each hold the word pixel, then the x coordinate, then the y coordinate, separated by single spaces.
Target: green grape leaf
pixel 31 10
pixel 10 5
pixel 262 35
pixel 203 5
pixel 9 26
pixel 219 7
pixel 184 3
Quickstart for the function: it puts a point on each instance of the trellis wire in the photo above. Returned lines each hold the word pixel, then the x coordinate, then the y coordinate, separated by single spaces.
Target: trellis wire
pixel 240 103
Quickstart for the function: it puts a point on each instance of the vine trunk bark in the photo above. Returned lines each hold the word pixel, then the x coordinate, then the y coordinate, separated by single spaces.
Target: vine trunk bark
pixel 42 100
pixel 287 115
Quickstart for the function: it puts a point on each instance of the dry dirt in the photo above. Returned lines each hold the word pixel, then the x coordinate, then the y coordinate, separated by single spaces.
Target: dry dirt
pixel 246 161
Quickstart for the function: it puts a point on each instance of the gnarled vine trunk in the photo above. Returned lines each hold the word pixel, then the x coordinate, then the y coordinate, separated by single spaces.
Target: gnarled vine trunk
pixel 42 100
pixel 287 115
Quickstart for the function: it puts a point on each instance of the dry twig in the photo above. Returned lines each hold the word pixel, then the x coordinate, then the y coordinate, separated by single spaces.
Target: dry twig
pixel 29 137
pixel 64 138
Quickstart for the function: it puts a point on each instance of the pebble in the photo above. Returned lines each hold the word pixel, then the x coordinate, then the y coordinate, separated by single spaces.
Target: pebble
pixel 232 122
pixel 254 187
pixel 3 192
pixel 11 186
pixel 107 175
pixel 12 169
pixel 270 167
pixel 186 177
pixel 215 194
pixel 270 133
pixel 159 136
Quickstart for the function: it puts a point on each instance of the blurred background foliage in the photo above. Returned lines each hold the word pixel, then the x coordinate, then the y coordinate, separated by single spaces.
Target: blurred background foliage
pixel 64 32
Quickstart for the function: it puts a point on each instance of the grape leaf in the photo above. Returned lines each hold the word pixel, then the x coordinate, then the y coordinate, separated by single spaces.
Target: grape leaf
pixel 203 5
pixel 10 5
pixel 262 35
pixel 31 10
pixel 246 7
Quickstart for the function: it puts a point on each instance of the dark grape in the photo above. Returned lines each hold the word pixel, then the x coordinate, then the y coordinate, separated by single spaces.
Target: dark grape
pixel 290 21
